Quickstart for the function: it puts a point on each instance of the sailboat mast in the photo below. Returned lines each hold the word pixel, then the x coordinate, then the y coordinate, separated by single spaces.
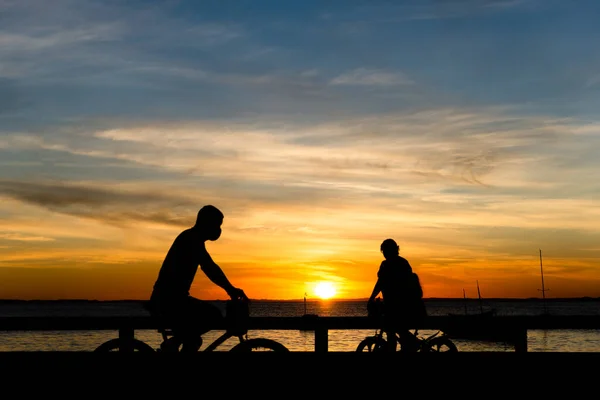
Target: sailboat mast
pixel 479 295
pixel 465 300
pixel 543 288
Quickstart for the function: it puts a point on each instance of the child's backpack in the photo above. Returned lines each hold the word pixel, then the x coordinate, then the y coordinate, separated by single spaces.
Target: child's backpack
pixel 415 296
pixel 416 290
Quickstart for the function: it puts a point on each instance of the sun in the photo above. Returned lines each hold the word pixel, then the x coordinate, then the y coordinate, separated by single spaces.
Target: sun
pixel 325 290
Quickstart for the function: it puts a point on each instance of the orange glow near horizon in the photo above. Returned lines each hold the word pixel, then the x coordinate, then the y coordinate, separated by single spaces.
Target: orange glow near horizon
pixel 270 267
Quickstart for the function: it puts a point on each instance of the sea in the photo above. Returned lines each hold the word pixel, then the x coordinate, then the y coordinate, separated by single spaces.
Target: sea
pixel 563 340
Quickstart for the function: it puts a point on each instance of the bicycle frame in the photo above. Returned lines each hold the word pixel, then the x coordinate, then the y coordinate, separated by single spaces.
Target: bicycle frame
pixel 376 312
pixel 415 334
pixel 168 336
pixel 423 343
pixel 220 340
pixel 236 316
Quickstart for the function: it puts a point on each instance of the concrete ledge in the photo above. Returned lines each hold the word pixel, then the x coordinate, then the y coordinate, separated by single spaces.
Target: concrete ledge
pixel 119 362
pixel 290 375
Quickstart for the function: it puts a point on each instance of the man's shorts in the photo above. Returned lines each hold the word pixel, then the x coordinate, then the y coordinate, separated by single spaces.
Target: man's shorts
pixel 191 315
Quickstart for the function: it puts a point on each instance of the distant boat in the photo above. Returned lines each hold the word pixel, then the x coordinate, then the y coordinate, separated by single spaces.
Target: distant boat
pixel 483 325
pixel 481 311
pixel 475 326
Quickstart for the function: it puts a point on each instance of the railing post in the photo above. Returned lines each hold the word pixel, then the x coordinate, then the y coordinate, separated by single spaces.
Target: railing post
pixel 321 340
pixel 520 340
pixel 126 339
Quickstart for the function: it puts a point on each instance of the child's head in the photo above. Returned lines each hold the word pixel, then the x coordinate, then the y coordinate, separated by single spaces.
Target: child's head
pixel 389 248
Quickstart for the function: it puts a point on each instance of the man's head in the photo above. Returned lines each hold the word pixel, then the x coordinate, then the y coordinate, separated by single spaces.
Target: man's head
pixel 389 248
pixel 209 221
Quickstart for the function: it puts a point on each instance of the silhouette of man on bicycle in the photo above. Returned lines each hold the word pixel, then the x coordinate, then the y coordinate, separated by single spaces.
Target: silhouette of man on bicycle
pixel 402 297
pixel 171 299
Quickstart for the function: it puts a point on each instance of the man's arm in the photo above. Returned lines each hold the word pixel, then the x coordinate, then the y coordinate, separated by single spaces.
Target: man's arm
pixel 218 277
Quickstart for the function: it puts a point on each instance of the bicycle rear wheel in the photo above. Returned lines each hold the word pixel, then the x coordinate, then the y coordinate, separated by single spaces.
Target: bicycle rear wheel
pixel 260 344
pixel 371 344
pixel 117 344
pixel 440 345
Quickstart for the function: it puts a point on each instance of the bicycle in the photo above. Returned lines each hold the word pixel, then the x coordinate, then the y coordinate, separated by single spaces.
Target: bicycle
pixel 434 343
pixel 236 316
pixel 437 342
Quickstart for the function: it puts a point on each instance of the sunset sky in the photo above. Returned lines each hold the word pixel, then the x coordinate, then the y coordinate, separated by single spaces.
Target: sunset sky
pixel 468 131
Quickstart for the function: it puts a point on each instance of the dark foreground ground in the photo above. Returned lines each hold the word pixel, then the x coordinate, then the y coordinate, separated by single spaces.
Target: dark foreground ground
pixel 298 374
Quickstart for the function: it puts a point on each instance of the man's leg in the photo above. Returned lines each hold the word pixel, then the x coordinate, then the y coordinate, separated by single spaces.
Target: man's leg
pixel 408 341
pixel 392 343
pixel 201 317
pixel 185 333
pixel 191 342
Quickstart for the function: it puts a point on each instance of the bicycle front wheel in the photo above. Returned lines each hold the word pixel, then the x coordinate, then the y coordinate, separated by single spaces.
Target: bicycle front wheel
pixel 371 344
pixel 260 344
pixel 119 345
pixel 440 345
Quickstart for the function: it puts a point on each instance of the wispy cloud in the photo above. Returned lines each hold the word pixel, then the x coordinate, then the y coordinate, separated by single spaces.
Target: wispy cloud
pixel 24 238
pixel 506 3
pixel 371 77
pixel 376 13
pixel 106 204
pixel 57 39
pixel 593 81
pixel 88 38
pixel 464 8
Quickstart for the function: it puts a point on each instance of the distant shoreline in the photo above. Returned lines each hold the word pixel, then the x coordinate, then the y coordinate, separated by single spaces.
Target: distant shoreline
pixel 531 299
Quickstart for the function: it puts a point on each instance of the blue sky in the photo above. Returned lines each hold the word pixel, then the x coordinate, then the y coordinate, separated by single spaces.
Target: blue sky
pixel 177 59
pixel 478 117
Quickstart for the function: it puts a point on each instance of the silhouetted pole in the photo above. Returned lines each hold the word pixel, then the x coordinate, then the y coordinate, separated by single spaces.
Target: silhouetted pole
pixel 304 303
pixel 465 301
pixel 479 295
pixel 543 290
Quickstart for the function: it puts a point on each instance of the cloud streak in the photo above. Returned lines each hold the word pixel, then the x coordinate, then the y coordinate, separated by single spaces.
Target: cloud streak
pixel 370 77
pixel 111 206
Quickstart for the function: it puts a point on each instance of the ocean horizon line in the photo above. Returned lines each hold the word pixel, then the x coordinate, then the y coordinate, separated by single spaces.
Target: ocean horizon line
pixel 581 298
